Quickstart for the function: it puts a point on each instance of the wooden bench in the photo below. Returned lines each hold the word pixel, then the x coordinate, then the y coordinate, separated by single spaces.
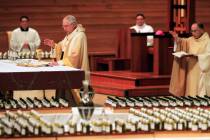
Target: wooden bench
pixel 94 56
pixel 111 64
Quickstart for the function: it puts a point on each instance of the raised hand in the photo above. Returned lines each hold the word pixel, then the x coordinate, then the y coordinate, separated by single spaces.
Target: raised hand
pixel 174 34
pixel 49 42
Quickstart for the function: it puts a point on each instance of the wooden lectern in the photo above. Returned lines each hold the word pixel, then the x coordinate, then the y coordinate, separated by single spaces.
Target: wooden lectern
pixel 133 53
pixel 162 52
pixel 139 55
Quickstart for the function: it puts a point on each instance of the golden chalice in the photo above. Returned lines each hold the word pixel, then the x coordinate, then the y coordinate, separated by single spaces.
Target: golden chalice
pixel 53 55
pixel 39 54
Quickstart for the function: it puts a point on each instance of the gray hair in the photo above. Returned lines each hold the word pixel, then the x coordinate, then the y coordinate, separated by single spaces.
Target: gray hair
pixel 71 19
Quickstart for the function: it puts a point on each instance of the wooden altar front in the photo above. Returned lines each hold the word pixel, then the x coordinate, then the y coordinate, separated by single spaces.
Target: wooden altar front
pixel 61 78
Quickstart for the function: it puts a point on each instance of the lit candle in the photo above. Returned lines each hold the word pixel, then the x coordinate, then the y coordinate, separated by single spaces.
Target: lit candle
pixel 182 12
pixel 182 2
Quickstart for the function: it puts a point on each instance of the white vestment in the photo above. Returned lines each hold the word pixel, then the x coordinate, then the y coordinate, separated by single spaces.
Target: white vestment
pixel 145 29
pixel 18 38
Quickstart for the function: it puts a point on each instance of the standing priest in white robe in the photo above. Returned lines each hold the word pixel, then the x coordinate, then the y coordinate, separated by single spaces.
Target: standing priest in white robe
pixel 142 27
pixel 24 38
pixel 72 50
pixel 191 73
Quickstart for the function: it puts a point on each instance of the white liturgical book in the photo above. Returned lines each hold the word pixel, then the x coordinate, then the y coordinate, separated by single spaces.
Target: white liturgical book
pixel 180 54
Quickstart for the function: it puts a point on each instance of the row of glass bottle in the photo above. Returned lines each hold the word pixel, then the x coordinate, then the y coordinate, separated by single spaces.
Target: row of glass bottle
pixel 32 124
pixel 12 55
pixel 32 103
pixel 172 119
pixel 158 101
pixel 157 120
pixel 147 120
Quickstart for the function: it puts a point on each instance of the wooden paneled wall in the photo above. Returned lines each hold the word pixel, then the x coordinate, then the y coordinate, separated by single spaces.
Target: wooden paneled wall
pixel 101 18
pixel 202 13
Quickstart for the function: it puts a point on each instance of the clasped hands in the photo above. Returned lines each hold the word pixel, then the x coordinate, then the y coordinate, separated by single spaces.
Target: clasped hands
pixel 26 45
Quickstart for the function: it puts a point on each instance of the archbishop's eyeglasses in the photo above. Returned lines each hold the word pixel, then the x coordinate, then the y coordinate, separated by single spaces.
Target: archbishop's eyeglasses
pixel 67 25
pixel 192 31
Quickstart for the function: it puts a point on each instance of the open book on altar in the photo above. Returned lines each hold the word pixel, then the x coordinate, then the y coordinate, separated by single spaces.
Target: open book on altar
pixel 181 54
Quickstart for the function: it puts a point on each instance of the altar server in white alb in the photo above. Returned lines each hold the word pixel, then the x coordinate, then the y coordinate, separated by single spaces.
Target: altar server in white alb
pixel 24 38
pixel 142 27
